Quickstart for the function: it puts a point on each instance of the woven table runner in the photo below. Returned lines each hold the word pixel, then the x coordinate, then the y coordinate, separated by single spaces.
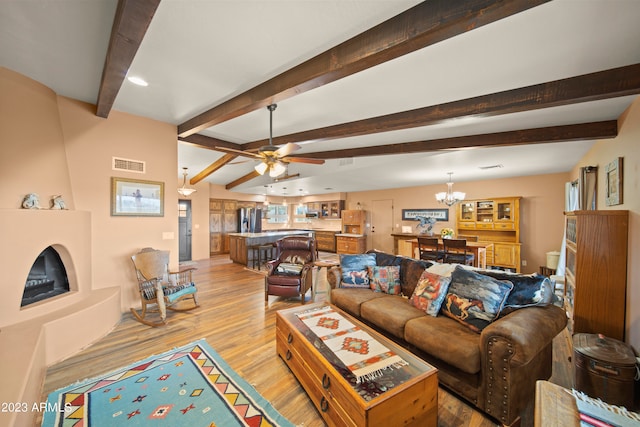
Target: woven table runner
pixel 365 357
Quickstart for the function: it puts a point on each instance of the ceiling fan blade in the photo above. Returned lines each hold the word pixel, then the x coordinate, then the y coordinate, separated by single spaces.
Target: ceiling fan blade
pixel 239 152
pixel 240 162
pixel 303 160
pixel 287 149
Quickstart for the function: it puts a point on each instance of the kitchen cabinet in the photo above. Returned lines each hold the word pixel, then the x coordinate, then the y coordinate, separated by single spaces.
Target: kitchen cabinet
pixel 346 244
pixel 326 240
pixel 331 209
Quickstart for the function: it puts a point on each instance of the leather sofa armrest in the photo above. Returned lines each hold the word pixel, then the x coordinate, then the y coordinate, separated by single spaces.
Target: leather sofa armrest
pixel 528 330
pixel 515 352
pixel 334 277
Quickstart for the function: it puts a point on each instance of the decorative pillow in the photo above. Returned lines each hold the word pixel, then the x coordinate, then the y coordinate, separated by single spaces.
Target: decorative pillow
pixel 289 269
pixel 295 259
pixel 385 279
pixel 354 270
pixel 475 300
pixel 528 289
pixel 442 269
pixel 430 292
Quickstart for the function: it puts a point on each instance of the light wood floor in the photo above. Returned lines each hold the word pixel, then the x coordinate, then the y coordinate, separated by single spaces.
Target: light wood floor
pixel 240 326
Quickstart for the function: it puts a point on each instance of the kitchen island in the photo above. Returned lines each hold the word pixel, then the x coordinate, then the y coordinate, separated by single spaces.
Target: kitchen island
pixel 239 243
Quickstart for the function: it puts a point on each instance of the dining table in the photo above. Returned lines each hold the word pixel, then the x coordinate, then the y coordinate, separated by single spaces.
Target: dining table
pixel 478 249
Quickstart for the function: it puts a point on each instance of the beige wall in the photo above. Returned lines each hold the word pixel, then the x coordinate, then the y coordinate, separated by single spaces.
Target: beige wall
pixel 54 145
pixel 91 142
pixel 626 145
pixel 32 155
pixel 541 208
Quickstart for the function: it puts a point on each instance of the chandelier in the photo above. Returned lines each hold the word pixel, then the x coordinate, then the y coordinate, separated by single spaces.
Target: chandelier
pixel 451 197
pixel 184 190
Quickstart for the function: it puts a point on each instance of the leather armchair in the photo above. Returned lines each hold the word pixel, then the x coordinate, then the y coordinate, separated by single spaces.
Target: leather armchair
pixel 298 250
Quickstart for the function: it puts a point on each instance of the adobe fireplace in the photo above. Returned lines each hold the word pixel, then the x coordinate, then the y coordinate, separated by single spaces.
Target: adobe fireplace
pixel 47 278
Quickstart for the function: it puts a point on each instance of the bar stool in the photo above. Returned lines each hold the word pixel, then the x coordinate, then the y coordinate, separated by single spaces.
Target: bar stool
pixel 254 252
pixel 267 251
pixel 260 254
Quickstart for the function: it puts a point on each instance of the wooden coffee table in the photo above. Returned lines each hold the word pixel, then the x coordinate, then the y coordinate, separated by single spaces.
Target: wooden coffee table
pixel 406 396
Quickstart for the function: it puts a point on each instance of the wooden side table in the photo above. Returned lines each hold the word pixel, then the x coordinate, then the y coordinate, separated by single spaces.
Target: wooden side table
pixel 555 406
pixel 326 265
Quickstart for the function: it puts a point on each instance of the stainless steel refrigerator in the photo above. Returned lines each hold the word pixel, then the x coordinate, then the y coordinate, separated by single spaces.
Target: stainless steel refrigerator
pixel 249 220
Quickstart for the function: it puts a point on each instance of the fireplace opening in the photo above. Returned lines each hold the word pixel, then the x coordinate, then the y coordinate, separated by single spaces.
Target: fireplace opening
pixel 47 278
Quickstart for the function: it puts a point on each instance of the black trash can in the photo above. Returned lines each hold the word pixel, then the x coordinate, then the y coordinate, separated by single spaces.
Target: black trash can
pixel 605 368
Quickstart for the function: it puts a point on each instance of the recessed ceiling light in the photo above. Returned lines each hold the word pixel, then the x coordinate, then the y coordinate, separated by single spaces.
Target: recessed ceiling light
pixel 138 81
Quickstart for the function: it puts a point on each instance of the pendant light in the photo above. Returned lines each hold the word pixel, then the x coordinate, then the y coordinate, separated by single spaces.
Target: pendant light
pixel 184 190
pixel 450 197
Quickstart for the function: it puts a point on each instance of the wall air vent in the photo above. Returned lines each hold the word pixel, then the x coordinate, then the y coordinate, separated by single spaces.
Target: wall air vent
pixel 346 162
pixel 119 164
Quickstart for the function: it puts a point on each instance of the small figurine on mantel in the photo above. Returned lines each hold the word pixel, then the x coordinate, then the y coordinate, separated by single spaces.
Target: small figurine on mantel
pixel 426 225
pixel 57 202
pixel 31 201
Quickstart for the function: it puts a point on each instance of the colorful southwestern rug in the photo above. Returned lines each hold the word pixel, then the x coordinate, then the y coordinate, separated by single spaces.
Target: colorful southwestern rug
pixel 363 355
pixel 187 386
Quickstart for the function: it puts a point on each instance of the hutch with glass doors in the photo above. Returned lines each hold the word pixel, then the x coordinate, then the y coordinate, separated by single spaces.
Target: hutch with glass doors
pixel 495 221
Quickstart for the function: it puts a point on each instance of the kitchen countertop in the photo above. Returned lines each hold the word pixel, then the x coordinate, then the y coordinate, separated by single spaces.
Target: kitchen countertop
pixel 350 235
pixel 269 233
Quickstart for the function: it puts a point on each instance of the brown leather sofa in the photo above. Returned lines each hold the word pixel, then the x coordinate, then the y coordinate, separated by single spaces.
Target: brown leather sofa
pixel 495 370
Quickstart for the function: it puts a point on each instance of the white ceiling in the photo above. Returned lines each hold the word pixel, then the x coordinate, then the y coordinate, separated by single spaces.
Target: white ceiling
pixel 197 54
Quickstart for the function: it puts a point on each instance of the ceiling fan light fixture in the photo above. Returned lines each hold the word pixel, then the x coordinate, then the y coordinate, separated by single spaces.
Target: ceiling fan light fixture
pixel 277 169
pixel 261 168
pixel 184 190
pixel 450 197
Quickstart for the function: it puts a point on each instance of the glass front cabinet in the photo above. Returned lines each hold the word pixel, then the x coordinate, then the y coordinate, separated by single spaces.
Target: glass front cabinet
pixel 497 221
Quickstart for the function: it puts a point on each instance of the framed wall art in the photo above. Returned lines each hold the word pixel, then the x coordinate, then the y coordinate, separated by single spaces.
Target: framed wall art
pixel 613 182
pixel 438 214
pixel 134 197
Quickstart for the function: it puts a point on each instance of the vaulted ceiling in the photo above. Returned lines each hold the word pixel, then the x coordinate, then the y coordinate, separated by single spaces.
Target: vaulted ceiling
pixel 389 93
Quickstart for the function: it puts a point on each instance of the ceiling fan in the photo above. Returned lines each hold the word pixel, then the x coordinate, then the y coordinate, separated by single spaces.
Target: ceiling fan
pixel 273 159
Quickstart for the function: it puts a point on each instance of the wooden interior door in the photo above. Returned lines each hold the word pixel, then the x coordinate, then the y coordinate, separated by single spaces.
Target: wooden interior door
pixel 215 226
pixel 184 230
pixel 382 225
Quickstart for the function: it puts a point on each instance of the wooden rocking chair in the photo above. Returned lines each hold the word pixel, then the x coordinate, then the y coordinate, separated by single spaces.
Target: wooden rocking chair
pixel 160 289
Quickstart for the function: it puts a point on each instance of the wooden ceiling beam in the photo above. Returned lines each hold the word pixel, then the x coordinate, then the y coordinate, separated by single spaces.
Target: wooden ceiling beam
pixel 576 132
pixel 242 180
pixel 422 25
pixel 212 168
pixel 607 84
pixel 210 142
pixel 130 24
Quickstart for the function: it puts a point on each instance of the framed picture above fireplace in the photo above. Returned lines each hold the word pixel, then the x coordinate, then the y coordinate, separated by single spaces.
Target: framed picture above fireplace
pixel 135 197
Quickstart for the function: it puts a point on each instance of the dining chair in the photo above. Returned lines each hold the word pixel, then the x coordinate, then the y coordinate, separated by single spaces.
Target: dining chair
pixel 429 249
pixel 455 252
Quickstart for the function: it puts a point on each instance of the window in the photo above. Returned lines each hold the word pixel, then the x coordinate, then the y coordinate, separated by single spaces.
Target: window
pixel 300 213
pixel 277 214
